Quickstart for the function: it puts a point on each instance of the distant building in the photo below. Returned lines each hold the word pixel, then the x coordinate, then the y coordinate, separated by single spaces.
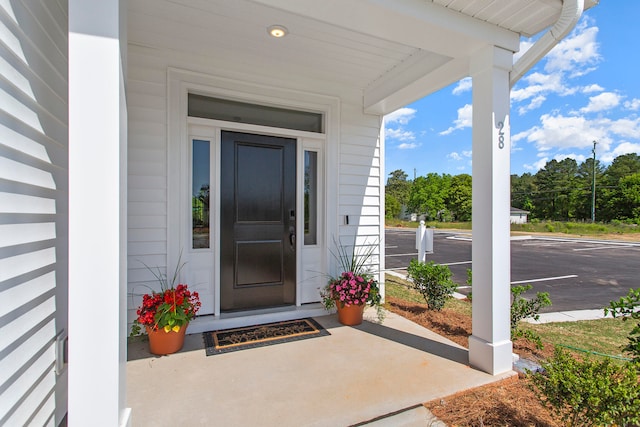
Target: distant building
pixel 519 216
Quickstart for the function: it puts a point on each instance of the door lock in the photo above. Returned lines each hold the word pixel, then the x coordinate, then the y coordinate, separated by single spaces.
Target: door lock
pixel 292 236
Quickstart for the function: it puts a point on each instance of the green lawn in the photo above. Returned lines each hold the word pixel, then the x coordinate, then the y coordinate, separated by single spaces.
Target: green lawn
pixel 605 336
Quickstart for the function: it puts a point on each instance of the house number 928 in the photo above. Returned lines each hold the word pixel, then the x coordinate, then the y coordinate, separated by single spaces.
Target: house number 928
pixel 500 135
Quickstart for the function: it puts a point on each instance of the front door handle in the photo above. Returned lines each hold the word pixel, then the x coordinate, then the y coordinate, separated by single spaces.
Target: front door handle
pixel 292 236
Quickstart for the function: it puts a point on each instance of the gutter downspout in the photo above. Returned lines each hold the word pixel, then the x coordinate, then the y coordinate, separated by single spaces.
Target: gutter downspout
pixel 569 16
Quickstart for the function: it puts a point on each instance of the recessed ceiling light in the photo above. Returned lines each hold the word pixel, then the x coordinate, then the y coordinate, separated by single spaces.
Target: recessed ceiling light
pixel 277 31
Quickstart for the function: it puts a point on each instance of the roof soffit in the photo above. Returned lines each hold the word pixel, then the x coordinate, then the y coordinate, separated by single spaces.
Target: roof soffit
pixel 425 25
pixel 392 51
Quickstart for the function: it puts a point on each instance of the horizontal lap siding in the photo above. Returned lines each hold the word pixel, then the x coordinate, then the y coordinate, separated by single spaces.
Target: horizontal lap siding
pixel 359 185
pixel 33 209
pixel 147 162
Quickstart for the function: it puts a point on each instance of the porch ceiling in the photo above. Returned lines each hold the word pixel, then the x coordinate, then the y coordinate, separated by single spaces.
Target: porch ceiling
pixel 393 52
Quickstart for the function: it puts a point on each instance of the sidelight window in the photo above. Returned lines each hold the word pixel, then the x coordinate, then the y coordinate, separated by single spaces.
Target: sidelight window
pixel 310 197
pixel 200 190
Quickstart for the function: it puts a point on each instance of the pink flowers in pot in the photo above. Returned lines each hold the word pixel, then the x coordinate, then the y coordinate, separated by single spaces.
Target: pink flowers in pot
pixel 356 285
pixel 351 289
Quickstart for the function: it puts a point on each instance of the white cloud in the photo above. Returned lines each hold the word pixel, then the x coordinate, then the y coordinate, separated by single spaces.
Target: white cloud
pixel 579 158
pixel 536 84
pixel 622 148
pixel 601 102
pixel 525 45
pixel 399 134
pixel 624 127
pixel 537 165
pixel 558 132
pixel 408 145
pixel 633 105
pixel 467 153
pixel 592 88
pixel 454 156
pixel 574 56
pixel 535 103
pixel 577 53
pixel 463 121
pixel 401 116
pixel 463 85
pixel 514 147
pixel 520 135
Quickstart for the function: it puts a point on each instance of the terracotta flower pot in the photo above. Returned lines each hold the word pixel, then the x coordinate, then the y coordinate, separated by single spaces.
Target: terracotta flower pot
pixel 350 315
pixel 161 342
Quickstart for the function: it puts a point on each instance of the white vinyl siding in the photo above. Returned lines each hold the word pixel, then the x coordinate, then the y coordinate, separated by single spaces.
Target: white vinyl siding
pixel 147 179
pixel 353 170
pixel 360 190
pixel 33 210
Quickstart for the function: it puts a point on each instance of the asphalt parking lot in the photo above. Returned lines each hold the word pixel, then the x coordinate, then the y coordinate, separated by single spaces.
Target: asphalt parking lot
pixel 579 274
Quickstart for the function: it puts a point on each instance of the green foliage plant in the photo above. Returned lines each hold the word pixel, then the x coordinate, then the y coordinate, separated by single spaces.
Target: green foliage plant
pixel 522 308
pixel 170 309
pixel 629 308
pixel 355 284
pixel 469 282
pixel 433 281
pixel 589 392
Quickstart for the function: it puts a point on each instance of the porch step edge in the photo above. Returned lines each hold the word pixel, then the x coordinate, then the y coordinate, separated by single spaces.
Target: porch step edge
pixel 414 416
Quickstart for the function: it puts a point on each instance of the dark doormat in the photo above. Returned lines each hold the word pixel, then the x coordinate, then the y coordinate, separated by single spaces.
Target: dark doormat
pixel 228 340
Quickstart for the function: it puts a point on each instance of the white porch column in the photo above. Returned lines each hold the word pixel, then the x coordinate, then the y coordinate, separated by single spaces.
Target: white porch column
pixel 97 214
pixel 490 345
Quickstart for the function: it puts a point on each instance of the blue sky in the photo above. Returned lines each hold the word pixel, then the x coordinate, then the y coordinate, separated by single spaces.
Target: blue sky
pixel 587 88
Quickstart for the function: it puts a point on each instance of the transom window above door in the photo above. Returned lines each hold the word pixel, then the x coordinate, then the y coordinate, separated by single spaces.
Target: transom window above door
pixel 239 112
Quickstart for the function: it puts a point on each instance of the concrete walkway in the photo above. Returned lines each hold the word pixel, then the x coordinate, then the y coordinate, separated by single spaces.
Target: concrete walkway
pixel 369 374
pixel 568 316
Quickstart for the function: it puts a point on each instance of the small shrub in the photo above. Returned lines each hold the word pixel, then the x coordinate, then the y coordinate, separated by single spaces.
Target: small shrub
pixel 468 282
pixel 433 281
pixel 589 392
pixel 521 308
pixel 550 228
pixel 629 308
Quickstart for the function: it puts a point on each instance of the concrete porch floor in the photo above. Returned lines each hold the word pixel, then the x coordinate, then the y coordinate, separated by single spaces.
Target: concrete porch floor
pixel 352 376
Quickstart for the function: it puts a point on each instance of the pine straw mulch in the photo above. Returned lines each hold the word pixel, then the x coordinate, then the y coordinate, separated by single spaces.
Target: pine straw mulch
pixel 506 403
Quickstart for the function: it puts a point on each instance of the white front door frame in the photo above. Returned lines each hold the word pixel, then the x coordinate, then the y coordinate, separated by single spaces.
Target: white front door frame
pixel 182 128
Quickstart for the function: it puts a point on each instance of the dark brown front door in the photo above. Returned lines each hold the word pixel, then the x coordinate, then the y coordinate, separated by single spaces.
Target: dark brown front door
pixel 258 221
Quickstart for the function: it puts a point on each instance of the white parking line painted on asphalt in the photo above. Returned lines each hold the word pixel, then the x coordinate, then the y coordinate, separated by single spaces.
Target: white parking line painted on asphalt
pixel 457 263
pixel 577 240
pixel 547 243
pixel 391 247
pixel 595 248
pixel 544 279
pixel 392 271
pixel 467 239
pixel 411 254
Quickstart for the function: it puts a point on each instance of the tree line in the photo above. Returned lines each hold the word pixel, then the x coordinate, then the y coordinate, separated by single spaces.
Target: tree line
pixel 560 191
